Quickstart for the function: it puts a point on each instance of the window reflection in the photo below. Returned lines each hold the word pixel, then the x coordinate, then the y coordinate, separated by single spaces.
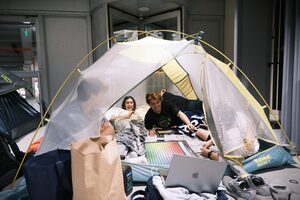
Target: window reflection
pixel 18 51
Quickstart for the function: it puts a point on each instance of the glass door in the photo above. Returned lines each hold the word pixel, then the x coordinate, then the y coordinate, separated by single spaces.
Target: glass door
pixel 129 26
pixel 165 21
pixel 122 26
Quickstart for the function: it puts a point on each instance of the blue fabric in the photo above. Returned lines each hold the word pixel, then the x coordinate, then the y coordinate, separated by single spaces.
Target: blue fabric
pixel 274 157
pixel 183 103
pixel 196 119
pixel 19 192
pixel 221 195
pixel 150 193
pixel 48 176
pixel 142 172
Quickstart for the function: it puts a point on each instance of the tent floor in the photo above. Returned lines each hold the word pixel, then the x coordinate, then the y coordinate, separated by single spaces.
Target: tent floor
pixel 281 176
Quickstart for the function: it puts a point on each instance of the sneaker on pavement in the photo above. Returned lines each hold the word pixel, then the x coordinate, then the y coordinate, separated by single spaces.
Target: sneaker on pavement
pixel 262 190
pixel 239 188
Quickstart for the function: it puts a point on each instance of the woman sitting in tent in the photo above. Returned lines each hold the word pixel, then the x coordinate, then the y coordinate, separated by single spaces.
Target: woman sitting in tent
pixel 165 114
pixel 129 127
pixel 127 111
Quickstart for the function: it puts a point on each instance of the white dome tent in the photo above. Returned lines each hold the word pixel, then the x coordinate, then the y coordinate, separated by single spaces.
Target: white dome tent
pixel 231 111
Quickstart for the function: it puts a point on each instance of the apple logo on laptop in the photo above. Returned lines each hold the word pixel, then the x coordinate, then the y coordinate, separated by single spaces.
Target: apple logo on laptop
pixel 195 175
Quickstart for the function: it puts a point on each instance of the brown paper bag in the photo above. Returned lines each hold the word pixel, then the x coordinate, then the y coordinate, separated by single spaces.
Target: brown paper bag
pixel 96 169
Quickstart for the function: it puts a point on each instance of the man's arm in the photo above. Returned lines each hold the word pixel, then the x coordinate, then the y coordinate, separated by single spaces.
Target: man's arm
pixel 185 120
pixel 149 124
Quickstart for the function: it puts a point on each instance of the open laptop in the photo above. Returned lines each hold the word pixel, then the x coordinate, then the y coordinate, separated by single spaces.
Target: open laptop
pixel 198 175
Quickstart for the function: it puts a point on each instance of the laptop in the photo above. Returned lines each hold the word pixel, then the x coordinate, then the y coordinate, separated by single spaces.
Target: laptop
pixel 198 175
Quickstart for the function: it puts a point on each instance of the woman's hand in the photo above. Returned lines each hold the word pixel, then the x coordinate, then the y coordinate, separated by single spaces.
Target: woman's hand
pixel 152 132
pixel 129 114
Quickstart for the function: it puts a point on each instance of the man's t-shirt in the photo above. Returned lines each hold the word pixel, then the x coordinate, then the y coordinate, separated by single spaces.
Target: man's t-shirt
pixel 165 119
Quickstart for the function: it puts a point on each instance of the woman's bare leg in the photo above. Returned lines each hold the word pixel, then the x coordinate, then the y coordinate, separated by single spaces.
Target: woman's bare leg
pixel 208 143
pixel 203 134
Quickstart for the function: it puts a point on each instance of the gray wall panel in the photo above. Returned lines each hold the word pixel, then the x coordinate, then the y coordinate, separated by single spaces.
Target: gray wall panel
pixel 254 44
pixel 67 42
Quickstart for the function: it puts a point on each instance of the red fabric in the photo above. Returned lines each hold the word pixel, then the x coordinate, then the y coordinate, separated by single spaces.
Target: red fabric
pixel 35 146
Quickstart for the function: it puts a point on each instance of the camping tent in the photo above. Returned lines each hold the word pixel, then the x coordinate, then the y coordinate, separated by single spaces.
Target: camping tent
pixel 235 118
pixel 17 116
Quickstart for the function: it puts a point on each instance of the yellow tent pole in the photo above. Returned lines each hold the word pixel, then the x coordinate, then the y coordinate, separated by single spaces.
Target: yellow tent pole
pixel 247 78
pixel 76 68
pixel 55 96
pixel 152 32
pixel 260 95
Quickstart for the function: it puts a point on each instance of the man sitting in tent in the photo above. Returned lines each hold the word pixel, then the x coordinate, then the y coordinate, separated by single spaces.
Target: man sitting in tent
pixel 192 109
pixel 77 119
pixel 164 114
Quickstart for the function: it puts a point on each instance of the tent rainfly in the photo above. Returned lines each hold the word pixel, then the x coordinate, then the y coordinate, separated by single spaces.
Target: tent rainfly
pixel 17 116
pixel 235 119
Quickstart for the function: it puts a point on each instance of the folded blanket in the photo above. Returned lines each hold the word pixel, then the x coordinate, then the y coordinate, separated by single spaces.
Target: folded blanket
pixel 131 133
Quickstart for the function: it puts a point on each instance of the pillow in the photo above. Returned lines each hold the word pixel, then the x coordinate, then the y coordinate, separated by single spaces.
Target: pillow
pixel 142 110
pixel 114 111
